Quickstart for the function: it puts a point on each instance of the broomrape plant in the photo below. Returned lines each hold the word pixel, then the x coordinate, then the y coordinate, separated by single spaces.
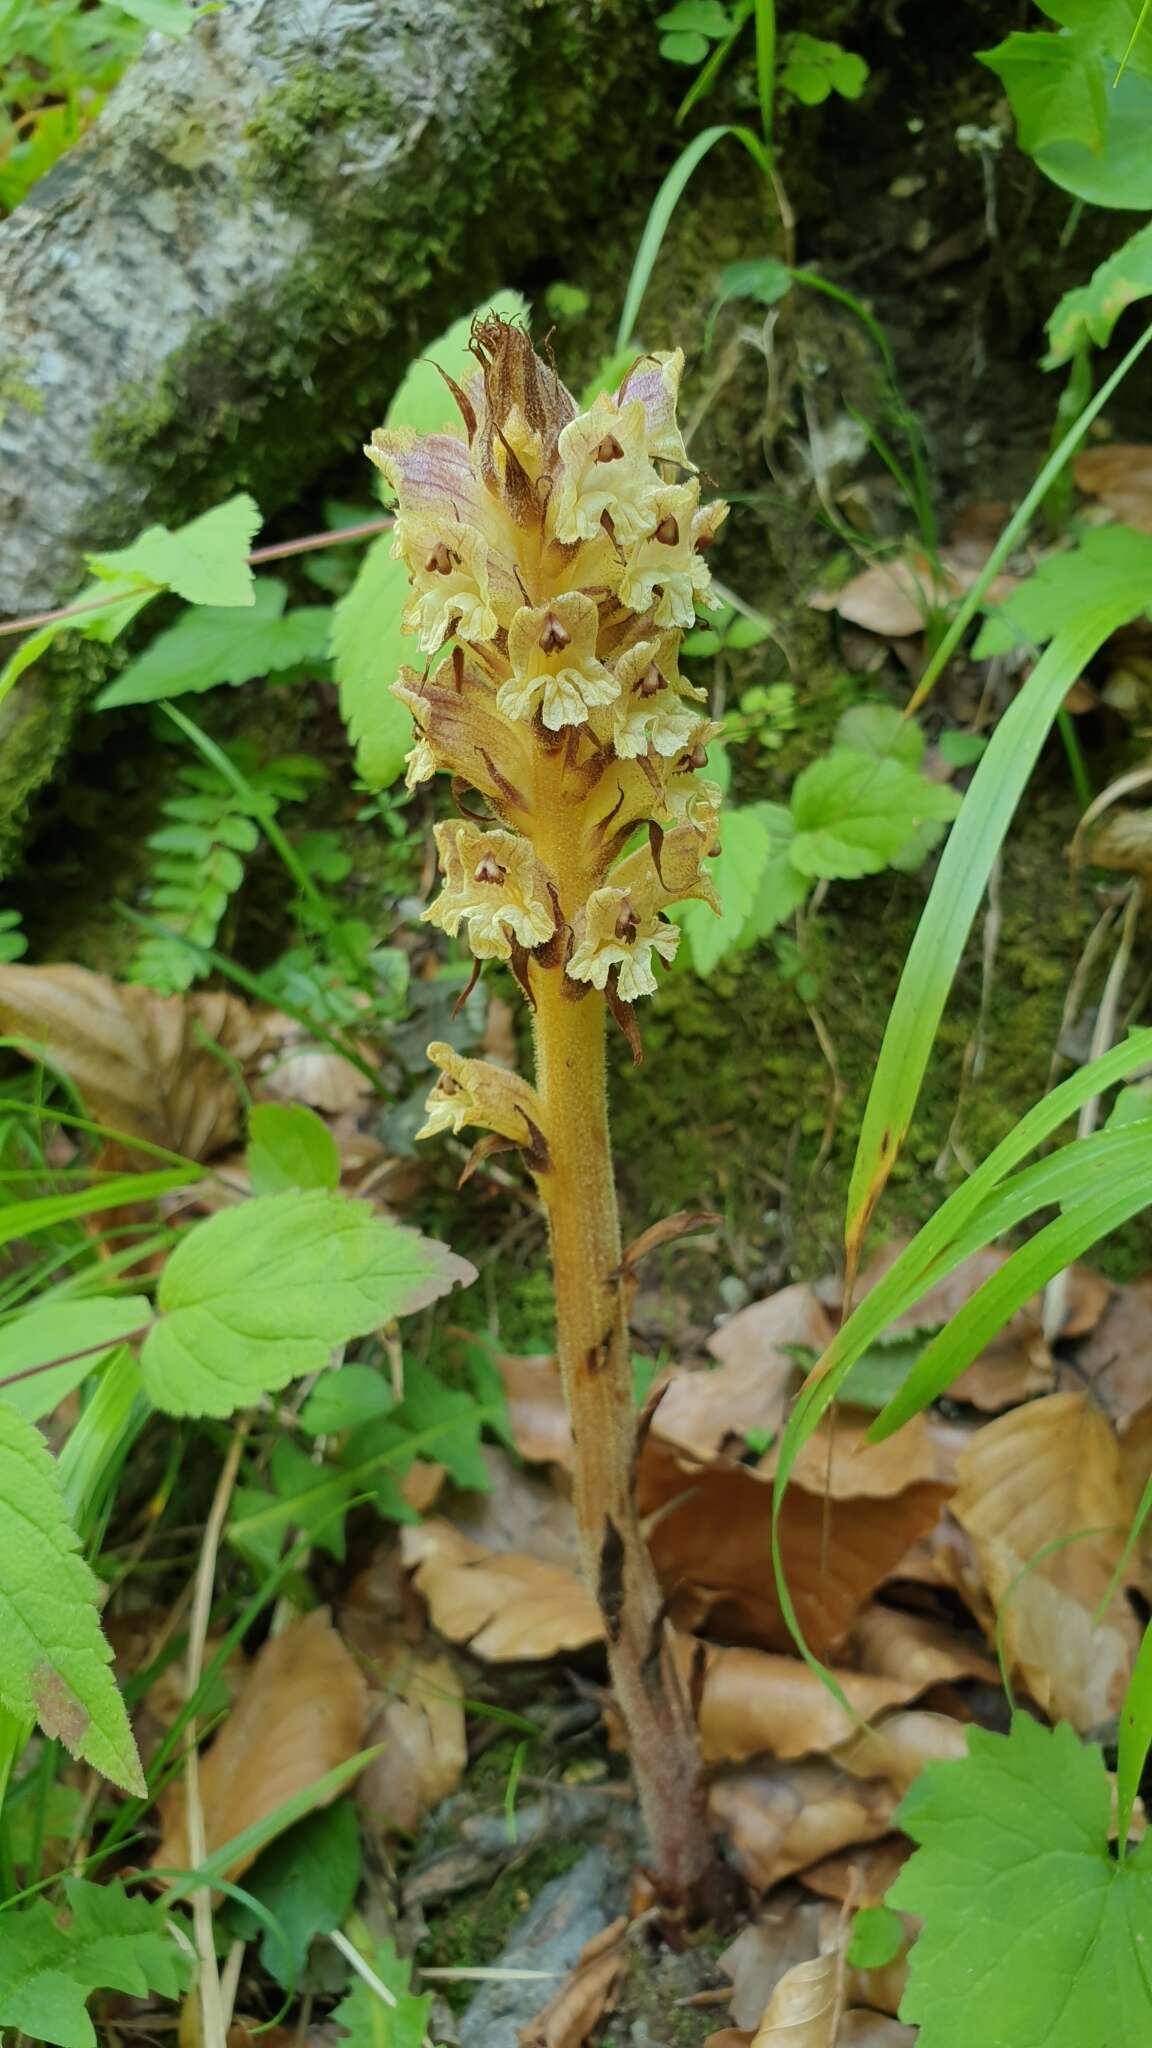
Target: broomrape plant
pixel 564 553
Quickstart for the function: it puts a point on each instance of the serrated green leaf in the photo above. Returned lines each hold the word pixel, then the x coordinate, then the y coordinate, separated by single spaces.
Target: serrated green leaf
pixel 205 562
pixel 256 1296
pixel 854 814
pixel 52 1962
pixel 368 2022
pixel 881 732
pixel 1056 86
pixel 290 1147
pixel 1089 313
pixel 346 1399
pixel 455 1416
pixel 308 1881
pixel 53 1658
pixel 748 838
pixel 59 1331
pixel 368 650
pixel 1034 1935
pixel 1111 565
pixel 215 644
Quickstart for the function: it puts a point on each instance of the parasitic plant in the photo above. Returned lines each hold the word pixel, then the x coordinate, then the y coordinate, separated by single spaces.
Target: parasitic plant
pixel 555 557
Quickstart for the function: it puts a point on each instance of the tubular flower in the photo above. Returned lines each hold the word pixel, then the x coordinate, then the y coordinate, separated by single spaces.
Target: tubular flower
pixel 494 884
pixel 448 565
pixel 552 650
pixel 614 932
pixel 653 707
pixel 605 473
pixel 476 1092
pixel 665 572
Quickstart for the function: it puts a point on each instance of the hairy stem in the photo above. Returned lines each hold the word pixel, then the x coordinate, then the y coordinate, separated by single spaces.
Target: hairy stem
pixel 595 1362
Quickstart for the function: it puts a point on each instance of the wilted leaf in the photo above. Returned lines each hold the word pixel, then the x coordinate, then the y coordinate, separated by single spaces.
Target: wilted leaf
pixel 323 1080
pixel 1035 1478
pixel 862 2029
pixel 752 1703
pixel 417 1713
pixel 1120 475
pixel 1116 1360
pixel 893 1644
pixel 838 1461
pixel 503 1606
pixel 300 1713
pixel 569 2018
pixel 537 1412
pixel 804 2009
pixel 895 598
pixel 522 1512
pixel 861 1876
pixel 899 1746
pixel 779 1818
pixel 140 1061
pixel 786 1932
pixel 1122 840
pixel 701 1412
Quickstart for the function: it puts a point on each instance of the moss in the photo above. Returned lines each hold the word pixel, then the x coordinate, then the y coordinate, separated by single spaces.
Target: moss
pixel 35 724
pixel 649 2005
pixel 311 108
pixel 473 1928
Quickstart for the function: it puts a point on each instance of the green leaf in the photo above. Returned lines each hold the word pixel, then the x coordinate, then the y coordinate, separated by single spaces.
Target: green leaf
pixel 961 749
pixel 369 2023
pixel 1135 1736
pixel 256 1296
pixel 457 1419
pixel 58 1332
pixel 53 1658
pixel 307 1879
pixel 812 69
pixel 423 400
pixel 1056 86
pixel 698 17
pixel 1121 29
pixel 684 47
pixel 1119 173
pixel 368 648
pixel 213 644
pixel 205 562
pixel 853 814
pixel 1111 566
pixel 877 1938
pixel 51 1963
pixel 290 1147
pixel 1034 1936
pixel 171 17
pixel 881 732
pixel 346 1399
pixel 746 844
pixel 1088 314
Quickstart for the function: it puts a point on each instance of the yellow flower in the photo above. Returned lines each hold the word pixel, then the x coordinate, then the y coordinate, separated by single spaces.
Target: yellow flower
pixel 664 572
pixel 552 650
pixel 651 711
pixel 454 709
pixel 604 468
pixel 476 1092
pixel 655 381
pixel 448 565
pixel 420 763
pixel 614 931
pixel 495 886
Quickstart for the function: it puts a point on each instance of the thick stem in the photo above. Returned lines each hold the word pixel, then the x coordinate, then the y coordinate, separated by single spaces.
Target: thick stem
pixel 596 1365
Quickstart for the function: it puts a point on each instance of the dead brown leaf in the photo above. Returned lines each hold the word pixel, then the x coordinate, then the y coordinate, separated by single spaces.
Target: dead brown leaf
pixel 780 1818
pixel 804 2010
pixel 139 1060
pixel 752 1703
pixel 860 1875
pixel 505 1607
pixel 522 1512
pixel 1116 1359
pixel 893 1644
pixel 838 1461
pixel 537 1412
pixel 784 1933
pixel 899 1746
pixel 568 2018
pixel 300 1713
pixel 1040 1476
pixel 861 2029
pixel 1120 475
pixel 712 1548
pixel 419 1718
pixel 894 598
pixel 701 1412
pixel 316 1077
pixel 1123 840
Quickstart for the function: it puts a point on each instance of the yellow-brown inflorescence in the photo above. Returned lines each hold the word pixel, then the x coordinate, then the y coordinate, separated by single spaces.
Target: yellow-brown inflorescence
pixel 555 557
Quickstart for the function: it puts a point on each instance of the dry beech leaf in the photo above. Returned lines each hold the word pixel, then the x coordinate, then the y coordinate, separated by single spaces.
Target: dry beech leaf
pixel 712 1548
pixel 1121 477
pixel 752 1703
pixel 300 1713
pixel 537 1413
pixel 1136 1464
pixel 700 1412
pixel 522 1512
pixel 569 2018
pixel 139 1060
pixel 861 2029
pixel 899 1746
pixel 804 2010
pixel 861 1876
pixel 894 598
pixel 780 1818
pixel 1048 1472
pixel 505 1607
pixel 786 1932
pixel 1122 840
pixel 419 1718
pixel 892 1644
pixel 839 1462
pixel 1116 1359
pixel 316 1077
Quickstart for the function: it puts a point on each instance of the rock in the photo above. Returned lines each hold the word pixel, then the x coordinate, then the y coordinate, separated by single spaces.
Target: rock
pixel 569 1912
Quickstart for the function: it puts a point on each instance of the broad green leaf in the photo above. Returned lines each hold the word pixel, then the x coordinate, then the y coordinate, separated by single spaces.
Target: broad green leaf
pixel 171 17
pixel 256 1296
pixel 1056 86
pixel 882 732
pixel 1121 29
pixel 60 1331
pixel 307 1879
pixel 51 1962
pixel 205 562
pixel 369 2023
pixel 290 1147
pixel 1119 173
pixel 53 1658
pixel 346 1399
pixel 1034 1935
pixel 423 400
pixel 746 843
pixel 214 644
pixel 369 647
pixel 854 813
pixel 1111 566
pixel 812 69
pixel 1088 314
pixel 452 1418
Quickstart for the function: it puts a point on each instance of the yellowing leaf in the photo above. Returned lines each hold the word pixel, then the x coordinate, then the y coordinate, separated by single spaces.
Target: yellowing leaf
pixel 503 1606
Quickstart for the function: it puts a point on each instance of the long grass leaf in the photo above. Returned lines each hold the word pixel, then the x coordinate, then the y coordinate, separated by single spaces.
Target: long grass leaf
pixel 664 206
pixel 23 1219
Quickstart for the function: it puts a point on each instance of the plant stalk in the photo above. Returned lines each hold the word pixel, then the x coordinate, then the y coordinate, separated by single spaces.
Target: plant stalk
pixel 596 1366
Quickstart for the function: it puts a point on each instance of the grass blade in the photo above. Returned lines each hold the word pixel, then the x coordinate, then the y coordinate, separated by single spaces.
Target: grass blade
pixel 1135 1738
pixel 22 1219
pixel 664 206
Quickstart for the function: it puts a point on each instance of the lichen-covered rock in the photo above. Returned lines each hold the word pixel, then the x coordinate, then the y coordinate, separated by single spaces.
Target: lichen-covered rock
pixel 220 285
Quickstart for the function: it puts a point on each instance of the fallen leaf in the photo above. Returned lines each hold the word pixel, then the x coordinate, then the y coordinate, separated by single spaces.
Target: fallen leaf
pixel 504 1606
pixel 752 1703
pixel 147 1066
pixel 899 1746
pixel 537 1412
pixel 1121 477
pixel 701 1412
pixel 895 598
pixel 1116 1360
pixel 785 1933
pixel 569 2018
pixel 316 1077
pixel 861 2029
pixel 804 2010
pixel 1123 840
pixel 838 1462
pixel 523 1512
pixel 862 1875
pixel 419 1718
pixel 1032 1479
pixel 779 1818
pixel 299 1714
pixel 893 1644
pixel 712 1548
